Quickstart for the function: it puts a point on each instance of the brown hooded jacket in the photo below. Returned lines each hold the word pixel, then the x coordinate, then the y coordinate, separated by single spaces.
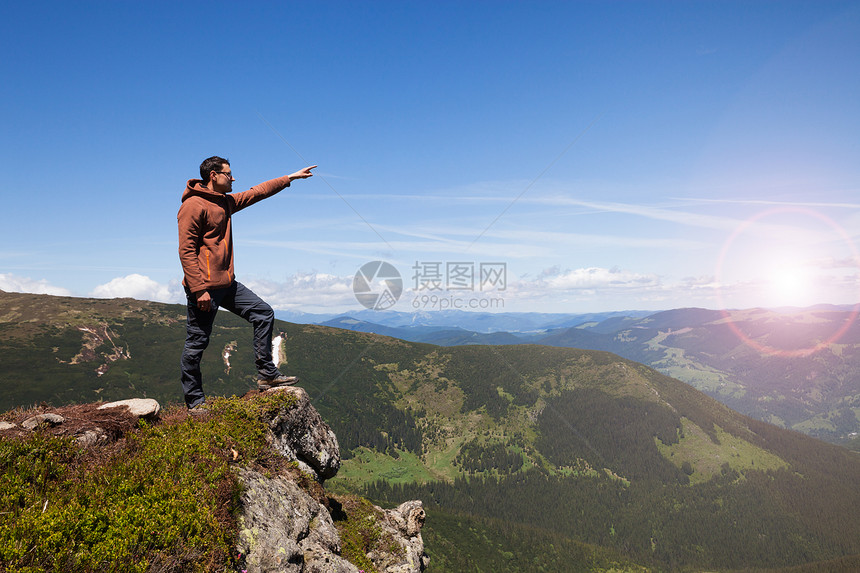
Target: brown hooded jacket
pixel 205 231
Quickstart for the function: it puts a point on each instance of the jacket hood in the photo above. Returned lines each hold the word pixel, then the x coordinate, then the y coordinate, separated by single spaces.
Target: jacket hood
pixel 196 187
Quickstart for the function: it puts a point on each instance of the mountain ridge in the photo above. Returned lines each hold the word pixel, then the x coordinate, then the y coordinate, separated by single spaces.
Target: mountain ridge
pixel 603 450
pixel 812 393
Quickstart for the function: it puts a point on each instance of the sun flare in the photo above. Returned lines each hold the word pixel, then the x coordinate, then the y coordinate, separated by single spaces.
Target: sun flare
pixel 790 285
pixel 788 257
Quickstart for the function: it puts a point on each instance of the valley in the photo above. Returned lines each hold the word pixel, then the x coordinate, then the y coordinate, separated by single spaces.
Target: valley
pixel 795 368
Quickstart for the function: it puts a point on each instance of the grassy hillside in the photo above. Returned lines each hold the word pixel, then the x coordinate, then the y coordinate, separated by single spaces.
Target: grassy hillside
pixel 768 374
pixel 623 464
pixel 62 350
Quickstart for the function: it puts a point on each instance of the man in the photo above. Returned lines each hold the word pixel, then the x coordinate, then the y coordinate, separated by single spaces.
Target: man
pixel 206 253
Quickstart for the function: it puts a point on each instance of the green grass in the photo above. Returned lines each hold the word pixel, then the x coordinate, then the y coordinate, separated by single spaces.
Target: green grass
pixel 707 457
pixel 677 364
pixel 441 462
pixel 357 523
pixel 368 465
pixel 163 498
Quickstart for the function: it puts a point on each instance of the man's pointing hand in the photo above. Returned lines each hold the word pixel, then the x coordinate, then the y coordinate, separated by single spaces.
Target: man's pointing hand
pixel 303 174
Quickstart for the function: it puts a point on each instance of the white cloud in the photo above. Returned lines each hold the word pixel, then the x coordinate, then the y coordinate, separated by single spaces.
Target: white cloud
pixel 12 283
pixel 563 289
pixel 322 292
pixel 304 291
pixel 594 278
pixel 575 290
pixel 707 282
pixel 298 292
pixel 139 287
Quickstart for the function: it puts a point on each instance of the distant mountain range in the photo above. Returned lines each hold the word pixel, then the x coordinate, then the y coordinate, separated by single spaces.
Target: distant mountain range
pixel 481 322
pixel 755 360
pixel 527 457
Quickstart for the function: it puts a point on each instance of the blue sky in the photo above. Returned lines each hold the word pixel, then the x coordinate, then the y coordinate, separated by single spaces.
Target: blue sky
pixel 612 155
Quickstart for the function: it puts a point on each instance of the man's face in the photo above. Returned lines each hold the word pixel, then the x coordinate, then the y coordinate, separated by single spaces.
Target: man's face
pixel 222 180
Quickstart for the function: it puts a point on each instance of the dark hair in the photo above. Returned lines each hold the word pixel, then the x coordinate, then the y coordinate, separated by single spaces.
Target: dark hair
pixel 210 164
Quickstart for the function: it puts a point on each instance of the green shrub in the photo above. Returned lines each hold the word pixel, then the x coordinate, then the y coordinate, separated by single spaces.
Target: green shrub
pixel 164 498
pixel 357 522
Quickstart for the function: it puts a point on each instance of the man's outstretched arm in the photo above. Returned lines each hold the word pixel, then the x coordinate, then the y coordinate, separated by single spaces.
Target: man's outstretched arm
pixel 267 188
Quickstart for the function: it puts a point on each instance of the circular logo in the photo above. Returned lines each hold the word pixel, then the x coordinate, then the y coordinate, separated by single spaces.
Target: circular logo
pixel 377 285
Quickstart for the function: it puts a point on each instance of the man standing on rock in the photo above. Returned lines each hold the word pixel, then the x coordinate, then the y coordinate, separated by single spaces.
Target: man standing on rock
pixel 206 253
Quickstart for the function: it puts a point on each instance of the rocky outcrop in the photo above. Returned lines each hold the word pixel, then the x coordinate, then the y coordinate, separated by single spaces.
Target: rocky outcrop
pixel 282 527
pixel 404 525
pixel 285 529
pixel 301 435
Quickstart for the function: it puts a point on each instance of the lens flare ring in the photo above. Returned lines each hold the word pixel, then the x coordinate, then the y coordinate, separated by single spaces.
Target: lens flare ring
pixel 763 348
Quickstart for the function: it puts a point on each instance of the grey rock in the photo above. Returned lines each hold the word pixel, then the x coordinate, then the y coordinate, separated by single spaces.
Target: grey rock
pixel 283 529
pixel 92 437
pixel 140 407
pixel 404 523
pixel 299 433
pixel 52 419
pixel 7 426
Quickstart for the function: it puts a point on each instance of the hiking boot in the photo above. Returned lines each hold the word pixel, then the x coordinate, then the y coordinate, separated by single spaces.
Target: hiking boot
pixel 198 409
pixel 279 380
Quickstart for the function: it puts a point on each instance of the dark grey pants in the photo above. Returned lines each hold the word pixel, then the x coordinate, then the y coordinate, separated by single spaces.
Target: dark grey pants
pixel 239 300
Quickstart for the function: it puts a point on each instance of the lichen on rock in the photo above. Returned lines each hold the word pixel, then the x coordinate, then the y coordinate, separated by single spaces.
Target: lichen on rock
pixel 300 434
pixel 283 529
